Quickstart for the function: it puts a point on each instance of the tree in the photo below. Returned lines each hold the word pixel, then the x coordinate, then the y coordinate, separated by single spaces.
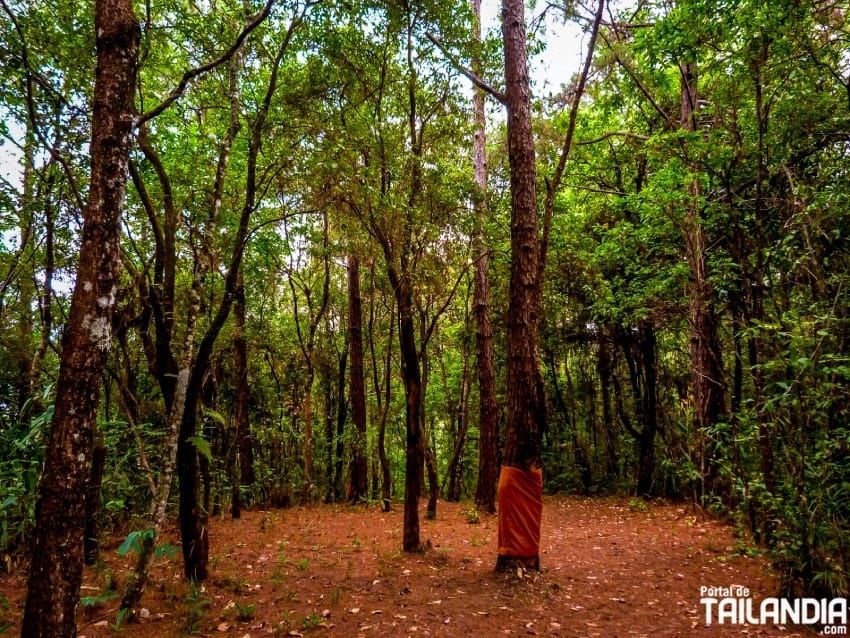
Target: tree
pixel 709 377
pixel 488 425
pixel 521 478
pixel 56 568
pixel 180 374
pixel 244 438
pixel 307 342
pixel 359 467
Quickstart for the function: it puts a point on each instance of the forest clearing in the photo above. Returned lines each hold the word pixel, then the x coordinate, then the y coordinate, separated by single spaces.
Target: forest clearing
pixel 610 567
pixel 311 254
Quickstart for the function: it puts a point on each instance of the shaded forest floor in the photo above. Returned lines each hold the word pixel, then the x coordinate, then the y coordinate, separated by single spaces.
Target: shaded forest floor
pixel 610 567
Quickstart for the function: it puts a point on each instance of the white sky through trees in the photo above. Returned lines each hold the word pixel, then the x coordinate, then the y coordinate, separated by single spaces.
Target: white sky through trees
pixel 565 48
pixel 566 45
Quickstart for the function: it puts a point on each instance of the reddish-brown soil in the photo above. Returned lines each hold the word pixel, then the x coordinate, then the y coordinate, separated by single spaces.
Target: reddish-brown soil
pixel 610 567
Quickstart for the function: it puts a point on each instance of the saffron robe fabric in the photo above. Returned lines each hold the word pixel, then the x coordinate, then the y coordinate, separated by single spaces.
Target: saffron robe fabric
pixel 520 512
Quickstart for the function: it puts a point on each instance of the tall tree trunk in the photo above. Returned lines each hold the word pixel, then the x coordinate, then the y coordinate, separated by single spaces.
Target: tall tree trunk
pixel 339 436
pixel 55 575
pixel 454 471
pixel 308 349
pixel 429 456
pixel 334 398
pixel 138 582
pixel 386 473
pixel 604 368
pixel 44 305
pixel 488 424
pixel 649 410
pixel 413 397
pixel 193 520
pixel 357 392
pixel 26 285
pixel 193 517
pixel 244 440
pixel 398 255
pixel 520 484
pixel 709 383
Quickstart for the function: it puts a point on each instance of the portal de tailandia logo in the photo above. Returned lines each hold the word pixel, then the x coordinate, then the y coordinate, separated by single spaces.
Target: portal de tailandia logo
pixel 733 605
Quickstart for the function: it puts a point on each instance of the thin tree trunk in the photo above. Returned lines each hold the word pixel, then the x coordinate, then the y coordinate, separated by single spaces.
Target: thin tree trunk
pixel 26 287
pixel 56 568
pixel 138 582
pixel 413 396
pixel 604 368
pixel 386 472
pixel 429 457
pixel 193 521
pixel 308 347
pixel 244 439
pixel 341 415
pixel 44 305
pixel 454 473
pixel 357 392
pixel 709 384
pixel 757 306
pixel 332 409
pixel 382 395
pixel 649 411
pixel 488 425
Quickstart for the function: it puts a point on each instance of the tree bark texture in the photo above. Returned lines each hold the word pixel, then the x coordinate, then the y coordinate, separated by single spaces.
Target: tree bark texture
pixel 488 424
pixel 57 558
pixel 525 400
pixel 244 440
pixel 357 386
pixel 525 390
pixel 709 381
pixel 649 410
pixel 386 474
pixel 338 439
pixel 413 396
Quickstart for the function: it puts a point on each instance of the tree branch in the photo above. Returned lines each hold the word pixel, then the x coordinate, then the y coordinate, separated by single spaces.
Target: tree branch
pixel 473 77
pixel 191 74
pixel 552 187
pixel 605 136
pixel 630 72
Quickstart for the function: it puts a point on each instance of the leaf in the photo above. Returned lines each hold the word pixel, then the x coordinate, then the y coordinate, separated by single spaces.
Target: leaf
pixel 131 542
pixel 215 416
pixel 202 446
pixel 134 541
pixel 166 549
pixel 91 601
pixel 120 618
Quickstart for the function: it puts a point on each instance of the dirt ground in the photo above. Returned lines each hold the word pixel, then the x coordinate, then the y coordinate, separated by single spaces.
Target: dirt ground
pixel 609 567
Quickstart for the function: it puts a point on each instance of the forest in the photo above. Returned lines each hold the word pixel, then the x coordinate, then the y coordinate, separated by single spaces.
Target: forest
pixel 344 251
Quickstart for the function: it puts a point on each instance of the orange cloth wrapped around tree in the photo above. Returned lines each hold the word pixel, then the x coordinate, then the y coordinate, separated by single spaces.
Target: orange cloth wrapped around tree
pixel 520 512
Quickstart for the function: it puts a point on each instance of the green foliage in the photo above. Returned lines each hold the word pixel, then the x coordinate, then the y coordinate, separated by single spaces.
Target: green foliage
pixel 22 445
pixel 312 621
pixel 764 175
pixel 137 541
pixel 94 601
pixel 245 612
pixel 4 610
pixel 197 604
